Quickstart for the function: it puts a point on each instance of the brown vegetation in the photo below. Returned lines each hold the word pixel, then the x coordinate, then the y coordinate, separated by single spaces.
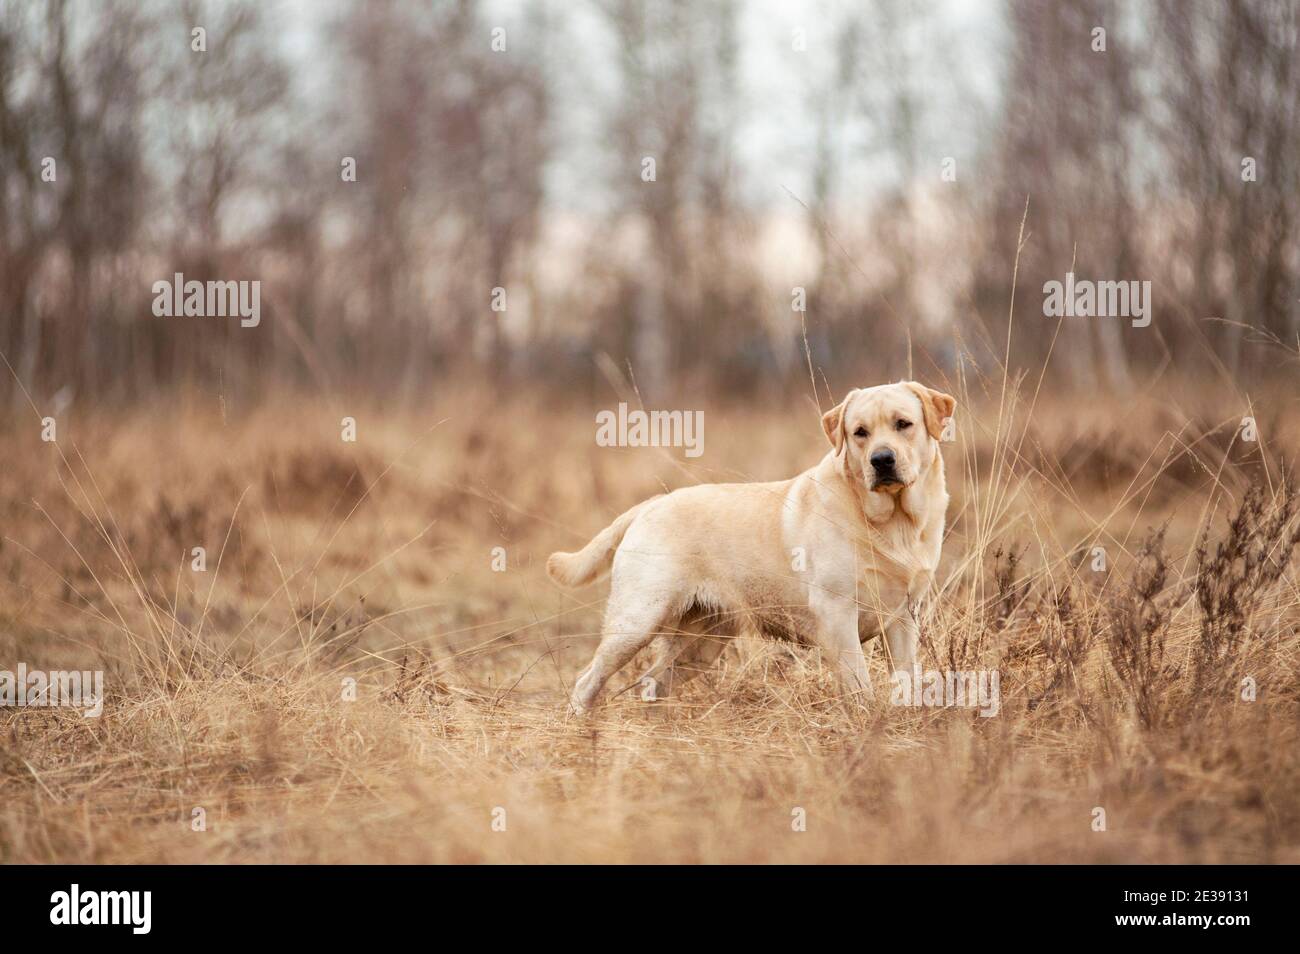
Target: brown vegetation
pixel 1121 689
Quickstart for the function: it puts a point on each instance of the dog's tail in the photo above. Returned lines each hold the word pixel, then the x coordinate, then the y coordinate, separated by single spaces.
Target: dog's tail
pixel 593 561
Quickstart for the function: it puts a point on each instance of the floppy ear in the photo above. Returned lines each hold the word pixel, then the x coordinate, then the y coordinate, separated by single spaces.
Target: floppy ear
pixel 833 422
pixel 935 405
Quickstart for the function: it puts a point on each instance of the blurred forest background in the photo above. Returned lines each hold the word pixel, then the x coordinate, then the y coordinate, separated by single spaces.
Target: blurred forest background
pixel 794 145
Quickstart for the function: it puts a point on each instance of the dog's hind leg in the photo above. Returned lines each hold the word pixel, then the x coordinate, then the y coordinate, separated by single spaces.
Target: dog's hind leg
pixel 682 655
pixel 630 625
pixel 658 681
pixel 699 655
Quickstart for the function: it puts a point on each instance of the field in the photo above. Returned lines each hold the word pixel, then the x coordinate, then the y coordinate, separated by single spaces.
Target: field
pixel 1160 687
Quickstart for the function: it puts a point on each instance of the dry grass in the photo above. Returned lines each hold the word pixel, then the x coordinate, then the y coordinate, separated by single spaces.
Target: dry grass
pixel 326 561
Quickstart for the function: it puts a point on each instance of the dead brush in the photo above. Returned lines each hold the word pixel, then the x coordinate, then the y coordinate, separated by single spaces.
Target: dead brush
pixel 1234 582
pixel 964 643
pixel 418 679
pixel 1064 636
pixel 1012 589
pixel 333 634
pixel 994 620
pixel 408 770
pixel 1138 623
pixel 301 482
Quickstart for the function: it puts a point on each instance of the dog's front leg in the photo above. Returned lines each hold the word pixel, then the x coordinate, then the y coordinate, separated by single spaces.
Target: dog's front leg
pixel 837 637
pixel 902 635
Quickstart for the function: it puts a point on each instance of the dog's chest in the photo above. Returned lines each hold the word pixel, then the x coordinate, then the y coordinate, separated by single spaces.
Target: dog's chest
pixel 884 588
pixel 890 564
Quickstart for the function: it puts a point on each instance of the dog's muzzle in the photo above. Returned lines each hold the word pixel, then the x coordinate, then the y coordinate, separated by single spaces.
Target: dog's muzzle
pixel 883 472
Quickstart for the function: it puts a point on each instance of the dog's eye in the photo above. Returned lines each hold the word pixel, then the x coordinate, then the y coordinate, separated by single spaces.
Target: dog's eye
pixel 903 425
pixel 860 432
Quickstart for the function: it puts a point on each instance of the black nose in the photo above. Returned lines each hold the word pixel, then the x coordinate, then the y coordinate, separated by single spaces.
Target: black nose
pixel 883 460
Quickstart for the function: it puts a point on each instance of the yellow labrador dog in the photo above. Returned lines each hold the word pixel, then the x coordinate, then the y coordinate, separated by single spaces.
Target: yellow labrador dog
pixel 830 558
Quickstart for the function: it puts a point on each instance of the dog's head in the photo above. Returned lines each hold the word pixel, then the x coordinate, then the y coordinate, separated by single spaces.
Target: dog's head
pixel 886 435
